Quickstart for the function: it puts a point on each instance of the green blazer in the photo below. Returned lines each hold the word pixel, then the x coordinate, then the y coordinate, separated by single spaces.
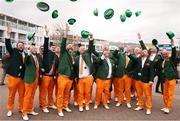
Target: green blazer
pixel 49 57
pixel 65 66
pixel 121 63
pixel 87 59
pixel 16 66
pixel 103 69
pixel 169 71
pixel 146 73
pixel 30 69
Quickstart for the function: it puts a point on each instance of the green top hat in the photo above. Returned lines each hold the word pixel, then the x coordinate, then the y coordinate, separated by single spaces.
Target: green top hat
pixel 95 12
pixel 170 34
pixel 71 21
pixel 84 34
pixel 42 6
pixel 128 13
pixel 55 14
pixel 108 13
pixel 30 36
pixel 122 18
pixel 138 13
pixel 9 1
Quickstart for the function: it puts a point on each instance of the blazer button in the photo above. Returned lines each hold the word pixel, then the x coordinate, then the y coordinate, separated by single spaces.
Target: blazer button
pixel 20 67
pixel 19 74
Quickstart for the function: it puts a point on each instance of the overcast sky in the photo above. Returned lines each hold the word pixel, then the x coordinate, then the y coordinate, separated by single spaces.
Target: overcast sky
pixel 158 17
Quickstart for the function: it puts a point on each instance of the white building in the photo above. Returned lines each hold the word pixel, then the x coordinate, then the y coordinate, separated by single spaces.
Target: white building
pixel 20 30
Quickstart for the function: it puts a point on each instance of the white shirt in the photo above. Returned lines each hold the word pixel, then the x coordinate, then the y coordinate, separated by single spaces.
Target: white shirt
pixel 152 56
pixel 143 61
pixel 86 70
pixel 110 68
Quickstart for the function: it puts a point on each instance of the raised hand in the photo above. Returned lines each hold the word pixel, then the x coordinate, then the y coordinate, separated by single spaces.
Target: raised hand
pixel 139 36
pixel 46 30
pixel 8 30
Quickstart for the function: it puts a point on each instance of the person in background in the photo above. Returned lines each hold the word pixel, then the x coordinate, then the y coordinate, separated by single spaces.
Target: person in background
pixel 5 63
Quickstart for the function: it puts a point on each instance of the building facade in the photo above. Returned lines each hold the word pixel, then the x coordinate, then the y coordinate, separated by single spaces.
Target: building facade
pixel 20 30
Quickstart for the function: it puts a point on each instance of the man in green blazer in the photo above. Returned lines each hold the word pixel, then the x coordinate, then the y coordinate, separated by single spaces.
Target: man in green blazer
pixel 146 73
pixel 47 84
pixel 65 75
pixel 169 74
pixel 103 76
pixel 33 67
pixel 15 71
pixel 84 69
pixel 122 77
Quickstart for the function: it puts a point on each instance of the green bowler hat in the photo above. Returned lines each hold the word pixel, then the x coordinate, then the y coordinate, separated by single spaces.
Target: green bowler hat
pixel 138 13
pixel 128 13
pixel 122 18
pixel 71 21
pixel 84 34
pixel 30 36
pixel 42 6
pixel 55 14
pixel 154 42
pixel 95 12
pixel 9 1
pixel 170 34
pixel 109 13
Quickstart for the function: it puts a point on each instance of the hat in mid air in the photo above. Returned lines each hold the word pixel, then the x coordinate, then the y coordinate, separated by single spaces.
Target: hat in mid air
pixel 128 13
pixel 71 21
pixel 95 12
pixel 122 18
pixel 170 34
pixel 55 14
pixel 30 36
pixel 109 13
pixel 42 6
pixel 84 34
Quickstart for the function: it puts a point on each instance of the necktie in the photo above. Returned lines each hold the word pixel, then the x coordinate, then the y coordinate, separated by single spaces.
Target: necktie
pixel 81 64
pixel 127 61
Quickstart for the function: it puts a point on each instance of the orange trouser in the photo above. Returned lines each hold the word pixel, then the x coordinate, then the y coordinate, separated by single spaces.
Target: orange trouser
pixel 147 89
pixel 84 88
pixel 75 92
pixel 168 93
pixel 139 89
pixel 125 84
pixel 116 86
pixel 64 86
pixel 46 80
pixel 102 86
pixel 133 86
pixel 28 102
pixel 52 86
pixel 14 84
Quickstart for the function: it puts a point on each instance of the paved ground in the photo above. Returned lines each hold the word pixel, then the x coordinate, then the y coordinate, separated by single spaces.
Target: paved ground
pixel 120 113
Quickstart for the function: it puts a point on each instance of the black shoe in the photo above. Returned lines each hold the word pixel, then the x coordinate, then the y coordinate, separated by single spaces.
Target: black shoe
pixel 2 84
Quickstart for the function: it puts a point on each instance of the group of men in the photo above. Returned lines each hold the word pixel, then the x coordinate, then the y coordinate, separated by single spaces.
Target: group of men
pixel 62 68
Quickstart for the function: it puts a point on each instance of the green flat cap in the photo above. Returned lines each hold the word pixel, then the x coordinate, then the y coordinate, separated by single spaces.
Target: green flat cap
pixel 42 6
pixel 84 34
pixel 95 12
pixel 170 34
pixel 9 1
pixel 30 36
pixel 71 21
pixel 109 13
pixel 128 13
pixel 55 14
pixel 138 13
pixel 122 18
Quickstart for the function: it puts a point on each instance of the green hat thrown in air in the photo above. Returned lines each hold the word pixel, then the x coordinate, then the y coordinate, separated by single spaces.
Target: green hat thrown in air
pixel 9 1
pixel 128 13
pixel 122 18
pixel 71 21
pixel 138 13
pixel 170 34
pixel 55 14
pixel 42 6
pixel 154 42
pixel 95 12
pixel 30 36
pixel 84 34
pixel 109 13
